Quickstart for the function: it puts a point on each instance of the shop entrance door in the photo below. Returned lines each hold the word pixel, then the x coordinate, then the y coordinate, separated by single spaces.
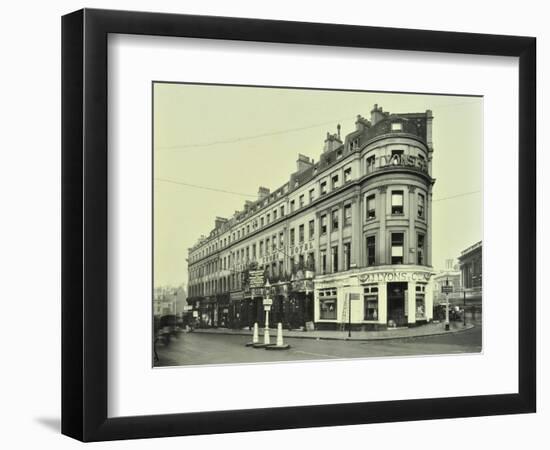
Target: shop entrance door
pixel 396 303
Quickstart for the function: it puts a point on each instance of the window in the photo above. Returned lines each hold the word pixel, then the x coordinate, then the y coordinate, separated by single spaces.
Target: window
pixel 261 248
pixel 334 224
pixel 274 215
pixel 267 246
pixel 310 263
pixel 281 239
pixel 334 252
pixel 371 160
pixel 301 201
pixel 397 202
pixel 253 251
pixel 323 256
pixel 370 297
pixel 323 187
pixel 292 236
pixel 371 207
pixel 347 174
pixel 335 182
pixel 274 242
pixel 282 210
pixel 327 304
pixel 291 205
pixel 420 249
pixel 268 218
pixel 420 311
pixel 238 234
pixel 301 262
pixel 339 154
pixel 397 248
pixel 311 229
pixel 247 253
pixel 347 215
pixel 280 268
pixel 324 224
pixel 261 221
pixel 371 250
pixel 311 195
pixel 247 229
pixel 421 206
pixel 347 255
pixel 301 233
pixel 396 126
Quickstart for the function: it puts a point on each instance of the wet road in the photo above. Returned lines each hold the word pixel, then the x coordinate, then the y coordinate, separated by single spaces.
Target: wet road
pixel 202 348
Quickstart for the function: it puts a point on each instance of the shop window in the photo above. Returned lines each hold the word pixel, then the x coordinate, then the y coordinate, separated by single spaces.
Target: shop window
pixel 370 300
pixel 421 211
pixel 420 306
pixel 347 175
pixel 397 248
pixel 397 202
pixel 334 224
pixel 328 304
pixel 420 249
pixel 301 233
pixel 371 250
pixel 347 215
pixel 324 224
pixel 311 229
pixel 347 255
pixel 371 207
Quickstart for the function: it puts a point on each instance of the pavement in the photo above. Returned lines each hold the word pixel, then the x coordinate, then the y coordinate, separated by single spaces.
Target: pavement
pixel 430 329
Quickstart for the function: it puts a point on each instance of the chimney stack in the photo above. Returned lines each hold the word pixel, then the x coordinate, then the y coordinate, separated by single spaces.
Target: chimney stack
pixel 303 163
pixel 263 192
pixel 376 115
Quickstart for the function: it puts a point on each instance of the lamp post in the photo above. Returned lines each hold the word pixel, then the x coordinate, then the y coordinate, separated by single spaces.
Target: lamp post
pixel 464 308
pixel 266 308
pixel 447 306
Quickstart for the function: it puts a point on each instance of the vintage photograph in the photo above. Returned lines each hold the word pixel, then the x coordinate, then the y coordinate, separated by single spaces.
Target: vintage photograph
pixel 298 224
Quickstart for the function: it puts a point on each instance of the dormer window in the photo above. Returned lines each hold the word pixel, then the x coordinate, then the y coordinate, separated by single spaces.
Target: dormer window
pixel 397 126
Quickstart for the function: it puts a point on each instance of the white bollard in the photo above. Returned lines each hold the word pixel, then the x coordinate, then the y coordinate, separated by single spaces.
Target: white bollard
pixel 279 334
pixel 280 344
pixel 255 336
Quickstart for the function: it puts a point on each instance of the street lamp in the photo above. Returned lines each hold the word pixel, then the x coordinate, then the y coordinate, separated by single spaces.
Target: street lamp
pixel 447 306
pixel 267 307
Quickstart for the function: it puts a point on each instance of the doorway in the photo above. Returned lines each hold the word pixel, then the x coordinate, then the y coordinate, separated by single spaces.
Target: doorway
pixel 396 303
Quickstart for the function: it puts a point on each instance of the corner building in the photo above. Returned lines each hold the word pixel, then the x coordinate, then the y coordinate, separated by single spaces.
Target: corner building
pixel 346 239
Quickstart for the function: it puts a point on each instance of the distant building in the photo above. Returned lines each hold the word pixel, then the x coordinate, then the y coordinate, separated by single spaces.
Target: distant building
pixel 470 261
pixel 355 225
pixel 169 300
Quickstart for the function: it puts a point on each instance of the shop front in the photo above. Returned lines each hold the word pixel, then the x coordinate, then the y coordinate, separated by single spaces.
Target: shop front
pixel 299 307
pixel 374 299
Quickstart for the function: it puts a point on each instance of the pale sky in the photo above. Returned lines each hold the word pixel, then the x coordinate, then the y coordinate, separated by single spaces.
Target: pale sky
pixel 239 138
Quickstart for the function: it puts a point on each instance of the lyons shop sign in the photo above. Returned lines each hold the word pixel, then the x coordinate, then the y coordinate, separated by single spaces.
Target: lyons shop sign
pixel 403 160
pixel 394 275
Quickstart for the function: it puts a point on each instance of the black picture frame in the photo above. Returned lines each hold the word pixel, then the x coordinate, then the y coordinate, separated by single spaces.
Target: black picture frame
pixel 84 224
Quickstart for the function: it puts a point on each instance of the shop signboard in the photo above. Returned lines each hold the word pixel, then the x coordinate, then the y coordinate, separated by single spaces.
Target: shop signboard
pixel 268 301
pixel 256 279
